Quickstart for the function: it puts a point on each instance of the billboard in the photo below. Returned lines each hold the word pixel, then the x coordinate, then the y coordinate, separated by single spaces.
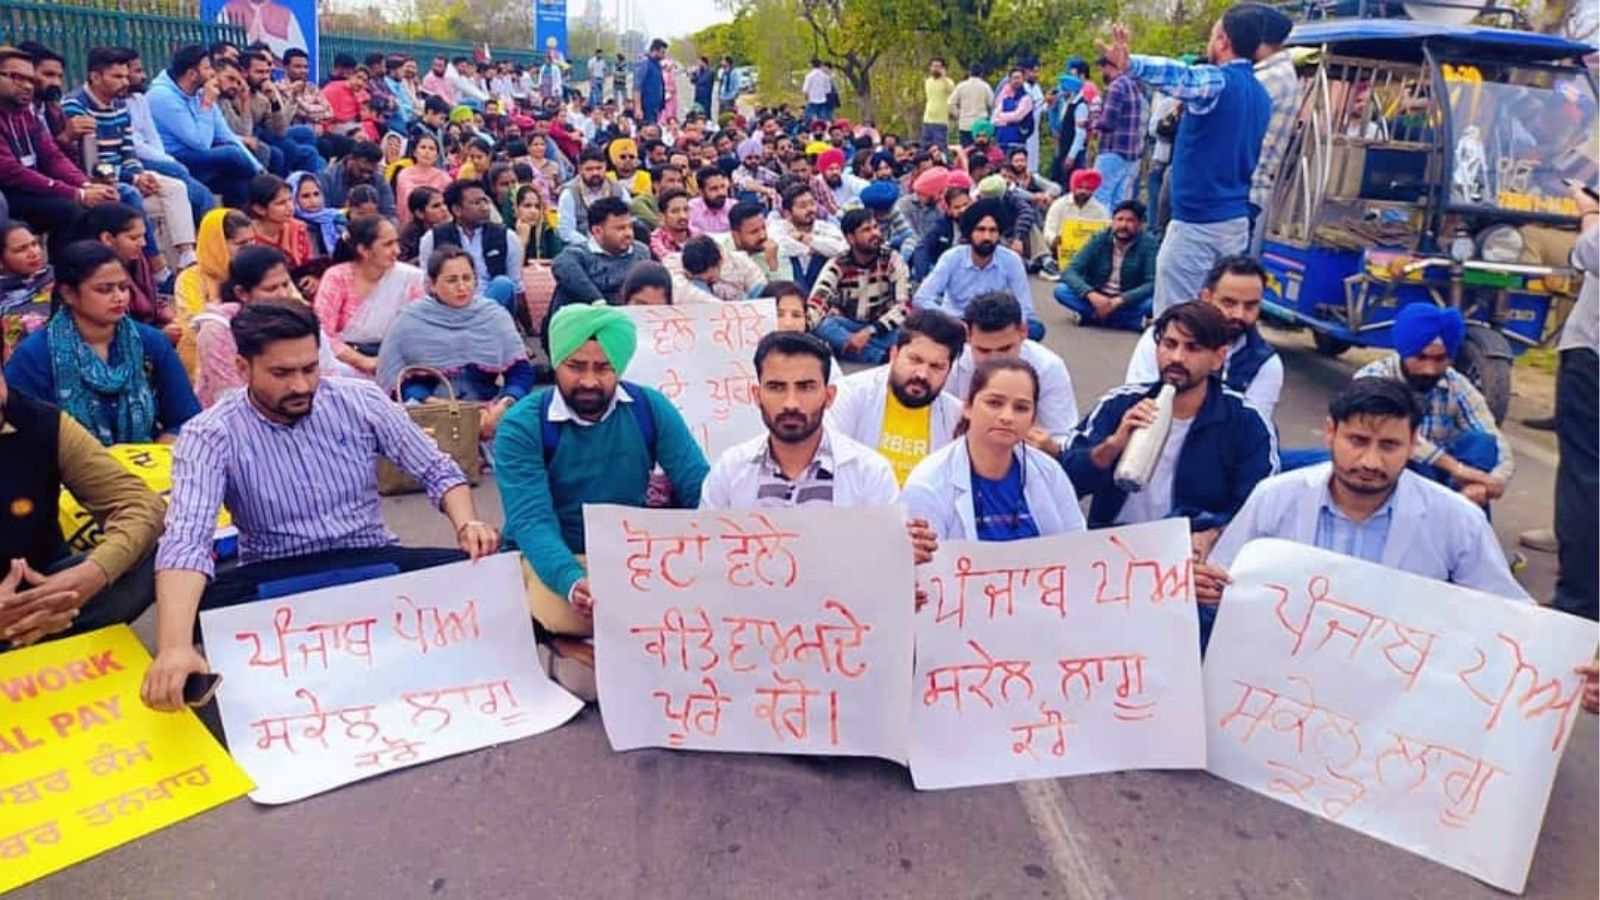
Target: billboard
pixel 550 27
pixel 280 24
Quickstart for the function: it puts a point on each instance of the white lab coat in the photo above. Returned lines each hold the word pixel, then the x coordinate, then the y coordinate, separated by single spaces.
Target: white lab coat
pixel 1058 406
pixel 860 476
pixel 1436 532
pixel 939 490
pixel 1263 391
pixel 857 410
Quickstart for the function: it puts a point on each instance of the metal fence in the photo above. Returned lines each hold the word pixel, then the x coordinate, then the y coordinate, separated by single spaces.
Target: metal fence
pixel 72 30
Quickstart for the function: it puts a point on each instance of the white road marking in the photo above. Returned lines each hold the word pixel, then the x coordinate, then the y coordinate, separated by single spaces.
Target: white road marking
pixel 1061 833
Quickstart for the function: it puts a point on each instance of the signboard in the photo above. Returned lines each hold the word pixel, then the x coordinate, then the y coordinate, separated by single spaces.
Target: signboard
pixel 152 463
pixel 336 685
pixel 700 356
pixel 84 765
pixel 761 631
pixel 1058 656
pixel 1423 714
pixel 280 24
pixel 550 28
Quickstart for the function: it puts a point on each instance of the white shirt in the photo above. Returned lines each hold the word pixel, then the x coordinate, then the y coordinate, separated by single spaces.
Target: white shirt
pixel 861 477
pixel 826 239
pixel 857 410
pixel 1155 501
pixel 466 88
pixel 817 86
pixel 1058 405
pixel 1583 323
pixel 1262 392
pixel 1436 532
pixel 473 244
pixel 939 490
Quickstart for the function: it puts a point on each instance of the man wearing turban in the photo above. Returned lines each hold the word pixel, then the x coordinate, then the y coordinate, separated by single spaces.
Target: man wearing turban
pixel 592 438
pixel 625 169
pixel 1458 443
pixel 1061 232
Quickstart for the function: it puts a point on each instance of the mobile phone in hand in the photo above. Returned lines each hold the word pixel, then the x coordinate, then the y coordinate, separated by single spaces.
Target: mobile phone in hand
pixel 200 687
pixel 1587 189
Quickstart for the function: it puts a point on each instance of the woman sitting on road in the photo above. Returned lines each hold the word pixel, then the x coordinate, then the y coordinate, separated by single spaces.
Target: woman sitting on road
pixel 989 485
pixel 118 378
pixel 272 207
pixel 361 296
pixel 470 340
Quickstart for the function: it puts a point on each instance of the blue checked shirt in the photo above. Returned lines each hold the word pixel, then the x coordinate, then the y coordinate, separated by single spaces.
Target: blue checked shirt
pixel 1122 119
pixel 1450 409
pixel 1341 534
pixel 1199 86
pixel 1276 74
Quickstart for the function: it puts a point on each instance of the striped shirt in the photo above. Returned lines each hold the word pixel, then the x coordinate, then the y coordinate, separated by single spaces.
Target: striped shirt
pixel 814 487
pixel 294 490
pixel 1451 408
pixel 877 294
pixel 1276 73
pixel 1339 533
pixel 113 133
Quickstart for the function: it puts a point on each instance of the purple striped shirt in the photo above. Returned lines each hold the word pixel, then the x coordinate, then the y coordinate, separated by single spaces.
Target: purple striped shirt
pixel 298 489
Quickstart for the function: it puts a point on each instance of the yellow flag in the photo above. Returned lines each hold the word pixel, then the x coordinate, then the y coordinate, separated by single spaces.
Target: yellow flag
pixel 84 765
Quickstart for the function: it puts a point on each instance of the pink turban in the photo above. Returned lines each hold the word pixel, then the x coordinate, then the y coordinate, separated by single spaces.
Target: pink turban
pixel 1084 179
pixel 831 157
pixel 931 185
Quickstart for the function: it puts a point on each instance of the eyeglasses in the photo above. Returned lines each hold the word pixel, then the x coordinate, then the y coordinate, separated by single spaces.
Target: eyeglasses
pixel 17 76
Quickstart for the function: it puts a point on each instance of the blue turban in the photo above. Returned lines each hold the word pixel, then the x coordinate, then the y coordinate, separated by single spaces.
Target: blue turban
pixel 880 195
pixel 1420 324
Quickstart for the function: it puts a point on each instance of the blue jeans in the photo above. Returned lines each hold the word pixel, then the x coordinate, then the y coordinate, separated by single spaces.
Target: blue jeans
pixel 227 170
pixel 1117 174
pixel 1188 251
pixel 1035 329
pixel 201 200
pixel 935 134
pixel 597 90
pixel 838 330
pixel 502 290
pixel 299 148
pixel 815 111
pixel 1291 458
pixel 1128 317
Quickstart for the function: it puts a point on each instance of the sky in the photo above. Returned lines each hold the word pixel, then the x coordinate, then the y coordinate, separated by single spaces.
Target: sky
pixel 671 18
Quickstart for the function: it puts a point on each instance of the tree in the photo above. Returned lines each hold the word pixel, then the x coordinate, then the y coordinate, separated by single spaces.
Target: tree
pixel 853 36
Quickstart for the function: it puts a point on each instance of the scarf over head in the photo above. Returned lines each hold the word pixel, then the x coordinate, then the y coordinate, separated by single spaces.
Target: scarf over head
pixel 211 252
pixel 328 223
pixel 1420 324
pixel 434 334
pixel 84 382
pixel 573 326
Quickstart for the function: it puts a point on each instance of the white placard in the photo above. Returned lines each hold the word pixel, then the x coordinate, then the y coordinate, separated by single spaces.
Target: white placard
pixel 1426 715
pixel 1058 656
pixel 332 686
pixel 764 631
pixel 700 356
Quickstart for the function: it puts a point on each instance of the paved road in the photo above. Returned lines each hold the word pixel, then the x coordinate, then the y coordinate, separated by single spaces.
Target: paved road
pixel 561 816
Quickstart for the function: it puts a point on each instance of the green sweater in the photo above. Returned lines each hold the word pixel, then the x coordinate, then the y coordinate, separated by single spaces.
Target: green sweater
pixel 606 462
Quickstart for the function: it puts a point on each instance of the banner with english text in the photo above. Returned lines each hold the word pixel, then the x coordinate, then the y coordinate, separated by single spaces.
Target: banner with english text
pixel 332 686
pixel 1426 715
pixel 761 631
pixel 84 765
pixel 1057 656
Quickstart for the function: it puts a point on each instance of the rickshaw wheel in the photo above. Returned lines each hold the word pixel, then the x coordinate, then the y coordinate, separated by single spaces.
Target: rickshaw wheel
pixel 1328 345
pixel 1485 359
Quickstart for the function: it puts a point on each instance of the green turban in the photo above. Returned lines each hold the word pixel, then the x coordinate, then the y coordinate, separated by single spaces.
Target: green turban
pixel 573 326
pixel 984 128
pixel 461 114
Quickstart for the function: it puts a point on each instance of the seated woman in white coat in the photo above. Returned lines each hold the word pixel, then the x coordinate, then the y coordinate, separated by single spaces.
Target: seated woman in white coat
pixel 990 485
pixel 1365 503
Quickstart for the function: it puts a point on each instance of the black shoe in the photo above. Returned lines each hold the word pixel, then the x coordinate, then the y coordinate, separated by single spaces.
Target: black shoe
pixel 1540 423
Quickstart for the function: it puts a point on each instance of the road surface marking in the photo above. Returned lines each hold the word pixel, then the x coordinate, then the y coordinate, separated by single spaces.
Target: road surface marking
pixel 1063 836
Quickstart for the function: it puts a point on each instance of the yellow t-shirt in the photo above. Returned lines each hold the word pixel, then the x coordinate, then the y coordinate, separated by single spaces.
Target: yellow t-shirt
pixel 906 436
pixel 937 109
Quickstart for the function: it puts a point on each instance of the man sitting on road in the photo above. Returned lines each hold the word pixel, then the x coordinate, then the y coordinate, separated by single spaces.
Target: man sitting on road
pixel 1235 287
pixel 860 297
pixel 1365 504
pixel 1061 233
pixel 253 450
pixel 979 266
pixel 995 328
pixel 805 240
pixel 1219 447
pixel 594 270
pixel 47 591
pixel 1458 443
pixel 901 408
pixel 589 439
pixel 1111 280
pixel 939 234
pixel 496 251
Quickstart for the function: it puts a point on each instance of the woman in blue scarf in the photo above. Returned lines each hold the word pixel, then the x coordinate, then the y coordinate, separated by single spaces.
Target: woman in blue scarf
pixel 326 225
pixel 118 378
pixel 472 341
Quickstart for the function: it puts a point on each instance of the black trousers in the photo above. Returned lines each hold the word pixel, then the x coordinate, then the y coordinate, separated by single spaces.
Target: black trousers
pixel 56 217
pixel 1578 483
pixel 241 583
pixel 123 601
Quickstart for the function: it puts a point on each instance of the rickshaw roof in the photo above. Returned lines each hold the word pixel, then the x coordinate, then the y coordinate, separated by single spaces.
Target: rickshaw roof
pixel 1400 37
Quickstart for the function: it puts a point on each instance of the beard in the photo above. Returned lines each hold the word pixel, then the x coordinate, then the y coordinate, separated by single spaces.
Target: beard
pixel 1421 384
pixel 715 204
pixel 51 94
pixel 790 426
pixel 984 248
pixel 1371 481
pixel 914 392
pixel 1181 378
pixel 290 407
pixel 587 402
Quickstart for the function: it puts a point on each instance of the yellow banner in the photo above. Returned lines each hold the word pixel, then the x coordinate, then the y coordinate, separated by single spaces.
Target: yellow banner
pixel 84 766
pixel 1075 233
pixel 153 464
